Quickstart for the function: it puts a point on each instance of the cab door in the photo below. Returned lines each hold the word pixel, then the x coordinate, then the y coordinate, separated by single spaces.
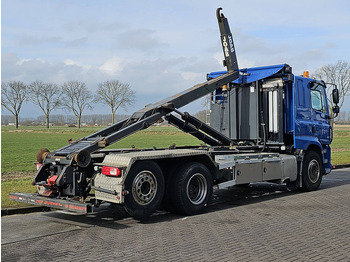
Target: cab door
pixel 311 116
pixel 319 113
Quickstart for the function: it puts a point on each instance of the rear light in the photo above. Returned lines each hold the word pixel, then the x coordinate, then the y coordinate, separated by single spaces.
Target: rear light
pixel 38 165
pixel 111 171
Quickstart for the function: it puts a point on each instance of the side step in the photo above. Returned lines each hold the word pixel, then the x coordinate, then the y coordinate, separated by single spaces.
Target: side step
pixel 70 205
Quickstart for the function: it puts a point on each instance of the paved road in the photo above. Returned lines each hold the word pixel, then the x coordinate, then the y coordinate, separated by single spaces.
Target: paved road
pixel 261 223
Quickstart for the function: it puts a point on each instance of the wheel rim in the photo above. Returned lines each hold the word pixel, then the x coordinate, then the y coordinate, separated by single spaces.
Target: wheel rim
pixel 144 187
pixel 197 189
pixel 314 171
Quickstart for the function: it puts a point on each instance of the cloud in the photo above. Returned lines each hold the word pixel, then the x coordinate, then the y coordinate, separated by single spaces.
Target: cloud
pixel 191 75
pixel 93 26
pixel 14 68
pixel 140 39
pixel 22 61
pixel 112 66
pixel 70 62
pixel 31 69
pixel 77 42
pixel 30 40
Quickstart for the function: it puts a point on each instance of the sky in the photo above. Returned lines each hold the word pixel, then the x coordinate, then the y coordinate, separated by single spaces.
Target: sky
pixel 163 47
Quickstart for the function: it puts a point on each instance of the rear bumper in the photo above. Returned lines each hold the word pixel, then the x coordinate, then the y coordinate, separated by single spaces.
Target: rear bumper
pixel 70 205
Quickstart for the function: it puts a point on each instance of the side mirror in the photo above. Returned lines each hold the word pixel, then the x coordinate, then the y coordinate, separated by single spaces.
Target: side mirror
pixel 336 109
pixel 335 96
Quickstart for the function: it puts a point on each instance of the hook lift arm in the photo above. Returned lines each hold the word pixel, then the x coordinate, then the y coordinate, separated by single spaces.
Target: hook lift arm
pixel 79 151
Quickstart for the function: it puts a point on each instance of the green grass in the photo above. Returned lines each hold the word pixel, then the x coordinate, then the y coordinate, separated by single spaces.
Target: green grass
pixel 19 148
pixel 341 145
pixel 23 186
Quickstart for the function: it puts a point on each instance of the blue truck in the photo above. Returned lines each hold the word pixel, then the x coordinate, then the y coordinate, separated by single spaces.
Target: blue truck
pixel 266 124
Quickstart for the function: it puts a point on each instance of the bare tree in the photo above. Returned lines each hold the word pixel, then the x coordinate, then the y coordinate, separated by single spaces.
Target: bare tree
pixel 76 97
pixel 201 115
pixel 13 94
pixel 116 94
pixel 46 96
pixel 338 74
pixel 341 118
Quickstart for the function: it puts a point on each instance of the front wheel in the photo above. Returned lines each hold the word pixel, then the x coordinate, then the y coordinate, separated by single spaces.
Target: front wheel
pixel 192 188
pixel 145 184
pixel 312 171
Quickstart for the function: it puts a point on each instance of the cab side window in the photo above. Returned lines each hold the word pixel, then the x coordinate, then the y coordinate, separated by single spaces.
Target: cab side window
pixel 318 98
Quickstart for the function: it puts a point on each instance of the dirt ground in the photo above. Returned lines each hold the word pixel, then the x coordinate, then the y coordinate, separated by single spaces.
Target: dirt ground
pixel 5 176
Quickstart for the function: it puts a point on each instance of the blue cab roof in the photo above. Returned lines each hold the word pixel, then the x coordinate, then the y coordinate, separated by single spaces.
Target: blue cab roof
pixel 249 75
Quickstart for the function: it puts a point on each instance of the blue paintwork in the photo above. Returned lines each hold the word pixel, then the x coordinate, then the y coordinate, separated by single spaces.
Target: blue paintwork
pixel 309 122
pixel 308 126
pixel 249 75
pixel 311 127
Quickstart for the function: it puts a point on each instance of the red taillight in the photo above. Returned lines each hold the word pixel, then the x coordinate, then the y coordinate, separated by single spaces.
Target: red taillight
pixel 38 165
pixel 111 171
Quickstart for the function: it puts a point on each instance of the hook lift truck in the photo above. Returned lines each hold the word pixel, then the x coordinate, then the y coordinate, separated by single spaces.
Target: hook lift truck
pixel 266 124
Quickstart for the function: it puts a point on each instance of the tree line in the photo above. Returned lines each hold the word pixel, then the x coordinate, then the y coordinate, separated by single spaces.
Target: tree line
pixel 64 120
pixel 335 74
pixel 343 118
pixel 73 96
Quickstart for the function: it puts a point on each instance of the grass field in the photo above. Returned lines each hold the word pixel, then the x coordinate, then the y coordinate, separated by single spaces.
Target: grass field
pixel 19 148
pixel 15 185
pixel 341 145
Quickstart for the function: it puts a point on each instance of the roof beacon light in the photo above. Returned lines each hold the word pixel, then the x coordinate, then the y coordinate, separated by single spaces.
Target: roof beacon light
pixel 306 74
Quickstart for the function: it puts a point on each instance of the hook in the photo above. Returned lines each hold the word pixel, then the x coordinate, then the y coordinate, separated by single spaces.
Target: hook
pixel 218 15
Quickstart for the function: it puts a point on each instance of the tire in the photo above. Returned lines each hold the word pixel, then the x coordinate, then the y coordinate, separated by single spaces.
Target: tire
pixel 312 171
pixel 145 184
pixel 192 189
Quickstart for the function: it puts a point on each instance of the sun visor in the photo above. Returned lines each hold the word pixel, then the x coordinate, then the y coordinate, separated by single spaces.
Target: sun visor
pixel 249 75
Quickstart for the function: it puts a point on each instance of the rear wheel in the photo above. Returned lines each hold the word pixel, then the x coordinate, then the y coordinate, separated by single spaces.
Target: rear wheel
pixel 192 188
pixel 312 171
pixel 145 184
